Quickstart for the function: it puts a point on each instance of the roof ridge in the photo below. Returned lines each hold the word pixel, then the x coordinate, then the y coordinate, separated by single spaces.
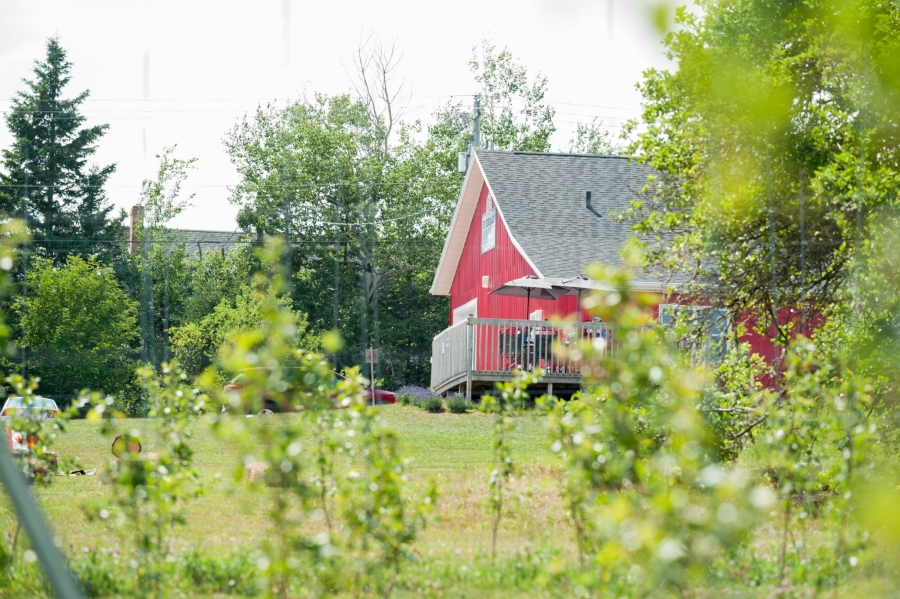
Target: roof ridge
pixel 207 230
pixel 555 154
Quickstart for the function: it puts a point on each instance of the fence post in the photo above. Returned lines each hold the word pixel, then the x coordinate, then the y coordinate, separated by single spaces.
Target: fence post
pixel 470 341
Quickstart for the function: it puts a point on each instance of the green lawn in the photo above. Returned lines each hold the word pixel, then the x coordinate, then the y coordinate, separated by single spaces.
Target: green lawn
pixel 455 449
pixel 452 554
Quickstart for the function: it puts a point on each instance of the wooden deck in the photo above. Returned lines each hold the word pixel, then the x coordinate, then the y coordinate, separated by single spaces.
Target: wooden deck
pixel 478 352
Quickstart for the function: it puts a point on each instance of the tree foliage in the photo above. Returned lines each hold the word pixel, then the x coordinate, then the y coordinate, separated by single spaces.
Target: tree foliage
pixel 157 270
pixel 364 197
pixel 775 144
pixel 77 326
pixel 514 116
pixel 197 344
pixel 592 138
pixel 362 210
pixel 48 180
pixel 161 198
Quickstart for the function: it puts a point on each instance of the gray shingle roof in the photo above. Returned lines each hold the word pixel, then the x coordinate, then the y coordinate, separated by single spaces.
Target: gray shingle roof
pixel 197 242
pixel 542 198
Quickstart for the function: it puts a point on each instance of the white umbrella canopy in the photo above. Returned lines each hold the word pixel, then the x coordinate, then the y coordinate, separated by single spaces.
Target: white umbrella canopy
pixel 529 287
pixel 577 286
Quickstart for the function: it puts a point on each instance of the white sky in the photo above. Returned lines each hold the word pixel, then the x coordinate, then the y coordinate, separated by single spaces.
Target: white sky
pixel 211 61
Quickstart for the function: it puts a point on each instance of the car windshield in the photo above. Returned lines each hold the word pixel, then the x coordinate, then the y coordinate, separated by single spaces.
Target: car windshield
pixel 38 404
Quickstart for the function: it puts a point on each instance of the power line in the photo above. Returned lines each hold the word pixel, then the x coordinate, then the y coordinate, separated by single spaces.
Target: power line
pixel 240 111
pixel 272 100
pixel 188 185
pixel 236 242
pixel 593 118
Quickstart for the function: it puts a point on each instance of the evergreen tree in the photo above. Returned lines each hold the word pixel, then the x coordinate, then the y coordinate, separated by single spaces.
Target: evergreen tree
pixel 47 179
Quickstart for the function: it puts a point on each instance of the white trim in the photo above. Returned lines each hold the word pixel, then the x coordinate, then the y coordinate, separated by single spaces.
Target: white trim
pixel 453 247
pixel 648 286
pixel 469 308
pixel 651 286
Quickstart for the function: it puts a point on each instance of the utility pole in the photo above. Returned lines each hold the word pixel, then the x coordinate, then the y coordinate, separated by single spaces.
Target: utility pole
pixel 476 133
pixel 287 192
pixel 25 199
pixel 474 141
pixel 148 336
pixel 337 273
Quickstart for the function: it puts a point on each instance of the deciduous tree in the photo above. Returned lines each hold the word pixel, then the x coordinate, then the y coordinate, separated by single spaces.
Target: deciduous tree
pixel 515 115
pixel 775 141
pixel 77 327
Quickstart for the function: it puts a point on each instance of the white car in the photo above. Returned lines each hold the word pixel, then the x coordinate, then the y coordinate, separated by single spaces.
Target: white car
pixel 40 408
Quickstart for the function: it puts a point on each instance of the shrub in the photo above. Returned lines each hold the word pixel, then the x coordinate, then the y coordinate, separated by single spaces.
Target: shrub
pixel 458 404
pixel 80 321
pixel 100 574
pixel 432 404
pixel 233 574
pixel 412 395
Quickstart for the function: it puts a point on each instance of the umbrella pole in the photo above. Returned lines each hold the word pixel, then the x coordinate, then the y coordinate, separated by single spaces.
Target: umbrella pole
pixel 578 312
pixel 528 304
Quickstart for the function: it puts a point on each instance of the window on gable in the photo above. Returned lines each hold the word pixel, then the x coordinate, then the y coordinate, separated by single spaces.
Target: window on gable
pixel 488 226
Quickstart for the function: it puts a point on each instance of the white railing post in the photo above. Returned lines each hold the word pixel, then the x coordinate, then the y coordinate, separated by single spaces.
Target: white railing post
pixel 470 341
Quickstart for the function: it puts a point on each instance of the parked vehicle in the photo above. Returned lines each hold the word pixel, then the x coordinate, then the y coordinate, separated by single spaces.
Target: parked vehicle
pixel 381 396
pixel 42 408
pixel 270 406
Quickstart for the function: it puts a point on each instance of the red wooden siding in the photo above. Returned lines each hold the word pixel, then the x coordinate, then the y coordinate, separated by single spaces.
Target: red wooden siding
pixel 502 263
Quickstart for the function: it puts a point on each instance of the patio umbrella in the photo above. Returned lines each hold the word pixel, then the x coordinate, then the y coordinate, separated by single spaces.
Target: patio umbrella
pixel 529 287
pixel 577 285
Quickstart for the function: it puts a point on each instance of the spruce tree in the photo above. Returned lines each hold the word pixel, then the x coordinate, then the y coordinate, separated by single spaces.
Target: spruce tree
pixel 47 180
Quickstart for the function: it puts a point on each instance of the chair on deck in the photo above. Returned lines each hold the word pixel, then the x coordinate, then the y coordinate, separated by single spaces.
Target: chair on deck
pixel 514 348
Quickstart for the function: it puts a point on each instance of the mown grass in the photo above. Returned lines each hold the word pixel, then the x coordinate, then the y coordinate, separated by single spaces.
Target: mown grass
pixel 454 449
pixel 452 557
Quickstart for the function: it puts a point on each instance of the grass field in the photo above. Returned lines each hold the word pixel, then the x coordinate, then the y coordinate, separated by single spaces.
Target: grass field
pixel 453 449
pixel 453 553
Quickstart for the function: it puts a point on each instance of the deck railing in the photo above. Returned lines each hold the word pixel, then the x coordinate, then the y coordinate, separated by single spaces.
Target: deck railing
pixel 489 349
pixel 449 352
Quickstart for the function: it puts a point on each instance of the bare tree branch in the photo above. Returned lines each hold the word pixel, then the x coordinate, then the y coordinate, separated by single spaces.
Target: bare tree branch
pixel 376 65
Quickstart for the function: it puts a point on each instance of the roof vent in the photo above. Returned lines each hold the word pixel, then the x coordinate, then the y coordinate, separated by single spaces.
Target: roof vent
pixel 588 205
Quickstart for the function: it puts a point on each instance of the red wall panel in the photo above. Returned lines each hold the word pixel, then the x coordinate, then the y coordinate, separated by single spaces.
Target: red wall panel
pixel 502 263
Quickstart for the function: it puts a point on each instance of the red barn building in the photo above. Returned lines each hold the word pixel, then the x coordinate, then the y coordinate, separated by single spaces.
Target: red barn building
pixel 526 213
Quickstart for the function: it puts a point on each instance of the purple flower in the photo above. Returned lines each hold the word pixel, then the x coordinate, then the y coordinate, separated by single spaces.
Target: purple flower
pixel 416 393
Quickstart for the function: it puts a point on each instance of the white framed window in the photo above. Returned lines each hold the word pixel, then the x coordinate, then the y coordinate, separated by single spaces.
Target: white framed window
pixel 712 324
pixel 466 310
pixel 489 226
